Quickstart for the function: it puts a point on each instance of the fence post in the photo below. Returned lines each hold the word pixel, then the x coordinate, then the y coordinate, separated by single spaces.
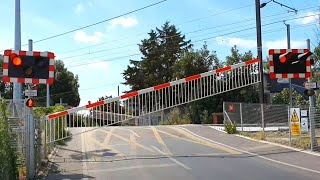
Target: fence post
pixel 262 121
pixel 223 111
pixel 241 118
pixel 313 142
pixel 289 124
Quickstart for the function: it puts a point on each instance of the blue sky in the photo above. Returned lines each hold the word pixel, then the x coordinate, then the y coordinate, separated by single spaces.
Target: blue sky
pixel 100 73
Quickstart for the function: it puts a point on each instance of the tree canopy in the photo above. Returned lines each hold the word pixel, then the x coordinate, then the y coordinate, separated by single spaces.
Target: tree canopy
pixel 66 87
pixel 167 56
pixel 160 52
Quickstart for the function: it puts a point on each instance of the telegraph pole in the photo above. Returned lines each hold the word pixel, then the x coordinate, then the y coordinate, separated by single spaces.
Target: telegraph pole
pixel 17 88
pixel 30 135
pixel 259 48
pixel 289 47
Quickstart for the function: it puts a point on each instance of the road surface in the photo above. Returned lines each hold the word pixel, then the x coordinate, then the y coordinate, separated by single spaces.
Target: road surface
pixel 176 153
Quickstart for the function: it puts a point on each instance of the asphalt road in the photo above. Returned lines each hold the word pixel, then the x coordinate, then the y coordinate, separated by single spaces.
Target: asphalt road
pixel 176 153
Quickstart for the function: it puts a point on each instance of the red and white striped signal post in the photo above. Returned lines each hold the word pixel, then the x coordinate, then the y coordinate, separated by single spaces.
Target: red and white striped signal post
pixel 290 63
pixel 28 67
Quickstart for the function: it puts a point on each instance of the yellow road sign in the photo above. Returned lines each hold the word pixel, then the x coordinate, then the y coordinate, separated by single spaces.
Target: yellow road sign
pixel 295 129
pixel 295 115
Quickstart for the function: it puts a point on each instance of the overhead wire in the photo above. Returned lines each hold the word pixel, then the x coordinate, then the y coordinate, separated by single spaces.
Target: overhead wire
pixel 69 92
pixel 191 32
pixel 230 10
pixel 200 40
pixel 270 31
pixel 246 35
pixel 251 19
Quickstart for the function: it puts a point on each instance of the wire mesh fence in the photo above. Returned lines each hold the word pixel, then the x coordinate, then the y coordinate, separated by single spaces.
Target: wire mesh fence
pixel 274 123
pixel 12 140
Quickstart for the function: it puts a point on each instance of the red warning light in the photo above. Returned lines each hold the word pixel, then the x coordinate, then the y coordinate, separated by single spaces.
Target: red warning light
pixel 16 60
pixel 283 59
pixel 30 103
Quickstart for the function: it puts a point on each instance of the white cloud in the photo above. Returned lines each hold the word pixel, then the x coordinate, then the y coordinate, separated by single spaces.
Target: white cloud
pixel 252 44
pixel 124 22
pixel 79 8
pixel 231 41
pixel 311 17
pixel 81 36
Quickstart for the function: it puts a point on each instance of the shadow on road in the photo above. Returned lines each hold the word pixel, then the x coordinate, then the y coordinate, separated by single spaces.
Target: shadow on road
pixel 79 155
pixel 111 157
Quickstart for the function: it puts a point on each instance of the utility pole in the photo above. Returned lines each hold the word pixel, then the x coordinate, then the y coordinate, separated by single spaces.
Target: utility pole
pixel 289 47
pixel 48 96
pixel 30 136
pixel 290 83
pixel 17 88
pixel 259 48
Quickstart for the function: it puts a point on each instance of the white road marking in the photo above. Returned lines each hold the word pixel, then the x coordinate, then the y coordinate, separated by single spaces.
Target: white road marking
pixel 133 167
pixel 137 135
pixel 254 154
pixel 172 159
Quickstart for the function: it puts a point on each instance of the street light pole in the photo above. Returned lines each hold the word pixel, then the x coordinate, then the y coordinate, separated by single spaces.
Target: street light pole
pixel 17 88
pixel 289 47
pixel 259 48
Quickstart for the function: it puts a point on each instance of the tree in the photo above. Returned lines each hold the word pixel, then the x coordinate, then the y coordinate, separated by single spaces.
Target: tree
pixel 283 98
pixel 245 94
pixel 195 62
pixel 66 87
pixel 6 89
pixel 160 52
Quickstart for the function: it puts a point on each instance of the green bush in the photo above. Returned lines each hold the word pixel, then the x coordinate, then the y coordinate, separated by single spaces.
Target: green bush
pixel 206 118
pixel 176 117
pixel 8 157
pixel 60 126
pixel 230 128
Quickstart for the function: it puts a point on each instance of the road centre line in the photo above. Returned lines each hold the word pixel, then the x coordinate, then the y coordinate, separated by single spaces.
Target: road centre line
pixel 160 141
pixel 210 144
pixel 107 139
pixel 172 159
pixel 254 154
pixel 177 137
pixel 128 141
pixel 134 133
pixel 133 149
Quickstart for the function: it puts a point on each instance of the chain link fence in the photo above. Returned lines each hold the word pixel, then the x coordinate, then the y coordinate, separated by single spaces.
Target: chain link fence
pixel 272 123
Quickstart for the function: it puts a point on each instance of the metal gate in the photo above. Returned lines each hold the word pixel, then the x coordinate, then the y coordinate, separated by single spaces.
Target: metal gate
pixel 130 106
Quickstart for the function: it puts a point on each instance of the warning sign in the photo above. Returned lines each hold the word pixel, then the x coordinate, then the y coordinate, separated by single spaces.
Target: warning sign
pixel 295 115
pixel 295 129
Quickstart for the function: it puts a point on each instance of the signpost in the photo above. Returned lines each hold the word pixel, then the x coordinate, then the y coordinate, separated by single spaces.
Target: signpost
pixel 31 92
pixel 304 125
pixel 311 85
pixel 295 121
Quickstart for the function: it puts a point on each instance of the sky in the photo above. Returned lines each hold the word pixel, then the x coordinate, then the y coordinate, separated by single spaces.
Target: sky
pixel 99 54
